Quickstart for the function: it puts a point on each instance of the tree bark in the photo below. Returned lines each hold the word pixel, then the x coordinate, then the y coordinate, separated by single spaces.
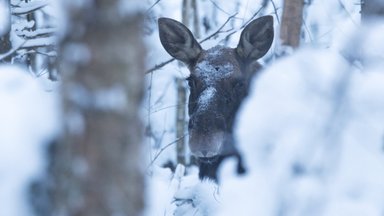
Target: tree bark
pixel 291 23
pixel 5 42
pixel 97 167
pixel 190 18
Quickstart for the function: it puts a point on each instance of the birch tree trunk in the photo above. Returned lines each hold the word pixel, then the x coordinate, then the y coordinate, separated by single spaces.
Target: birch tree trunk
pixel 97 168
pixel 190 19
pixel 292 19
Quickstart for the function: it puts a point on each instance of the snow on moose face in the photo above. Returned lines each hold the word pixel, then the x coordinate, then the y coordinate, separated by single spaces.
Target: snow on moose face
pixel 218 83
pixel 217 88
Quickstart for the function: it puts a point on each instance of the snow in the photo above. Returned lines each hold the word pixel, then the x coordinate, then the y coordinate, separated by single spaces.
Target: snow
pixel 40 42
pixel 28 121
pixel 308 148
pixel 27 7
pixel 206 98
pixel 211 74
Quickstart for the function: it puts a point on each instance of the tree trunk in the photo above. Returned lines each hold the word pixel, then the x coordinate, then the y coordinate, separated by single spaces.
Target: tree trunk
pixel 291 23
pixel 5 42
pixel 97 167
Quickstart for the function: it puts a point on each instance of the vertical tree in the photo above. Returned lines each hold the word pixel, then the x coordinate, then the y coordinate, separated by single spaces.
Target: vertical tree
pixel 292 19
pixel 190 18
pixel 97 166
pixel 5 29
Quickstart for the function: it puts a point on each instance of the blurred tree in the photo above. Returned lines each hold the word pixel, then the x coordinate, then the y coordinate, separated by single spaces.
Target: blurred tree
pixel 292 19
pixel 97 166
pixel 5 40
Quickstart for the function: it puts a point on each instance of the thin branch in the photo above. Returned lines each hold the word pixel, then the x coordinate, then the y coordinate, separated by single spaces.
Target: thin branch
pixel 346 11
pixel 275 9
pixel 153 5
pixel 219 29
pixel 219 8
pixel 37 32
pixel 165 147
pixel 246 23
pixel 250 19
pixel 26 8
pixel 167 107
pixel 40 42
pixel 10 52
pixel 158 66
pixel 307 30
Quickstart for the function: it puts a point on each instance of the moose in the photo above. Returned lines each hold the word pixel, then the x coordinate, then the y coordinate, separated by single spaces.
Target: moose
pixel 219 81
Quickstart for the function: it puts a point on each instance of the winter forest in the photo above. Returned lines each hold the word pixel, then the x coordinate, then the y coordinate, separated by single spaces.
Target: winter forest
pixel 108 110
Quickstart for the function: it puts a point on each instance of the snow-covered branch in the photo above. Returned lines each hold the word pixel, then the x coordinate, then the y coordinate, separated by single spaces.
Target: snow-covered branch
pixel 40 42
pixel 25 8
pixel 37 32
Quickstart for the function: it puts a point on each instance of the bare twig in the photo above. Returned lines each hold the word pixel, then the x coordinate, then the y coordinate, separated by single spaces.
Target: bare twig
pixel 158 66
pixel 10 52
pixel 218 7
pixel 347 12
pixel 153 5
pixel 165 147
pixel 26 8
pixel 275 9
pixel 250 19
pixel 167 107
pixel 219 29
pixel 246 23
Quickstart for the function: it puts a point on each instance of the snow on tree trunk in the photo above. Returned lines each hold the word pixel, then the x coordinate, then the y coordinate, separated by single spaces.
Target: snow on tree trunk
pixel 97 167
pixel 291 23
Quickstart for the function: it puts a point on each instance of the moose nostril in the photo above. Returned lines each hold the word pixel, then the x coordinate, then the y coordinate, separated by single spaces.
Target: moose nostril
pixel 205 153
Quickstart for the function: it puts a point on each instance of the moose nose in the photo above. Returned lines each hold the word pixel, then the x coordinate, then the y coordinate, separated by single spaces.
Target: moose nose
pixel 204 153
pixel 207 122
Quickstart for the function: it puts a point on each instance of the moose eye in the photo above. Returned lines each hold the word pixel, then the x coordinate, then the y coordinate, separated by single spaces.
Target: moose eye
pixel 238 84
pixel 191 82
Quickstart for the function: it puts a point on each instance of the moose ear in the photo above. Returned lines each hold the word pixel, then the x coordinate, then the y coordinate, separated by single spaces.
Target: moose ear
pixel 256 38
pixel 178 41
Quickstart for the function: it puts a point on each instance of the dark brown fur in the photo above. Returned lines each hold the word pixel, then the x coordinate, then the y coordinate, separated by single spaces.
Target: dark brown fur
pixel 219 82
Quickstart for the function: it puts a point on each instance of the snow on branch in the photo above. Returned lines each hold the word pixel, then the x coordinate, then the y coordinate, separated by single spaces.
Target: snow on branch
pixel 25 8
pixel 40 42
pixel 37 32
pixel 13 50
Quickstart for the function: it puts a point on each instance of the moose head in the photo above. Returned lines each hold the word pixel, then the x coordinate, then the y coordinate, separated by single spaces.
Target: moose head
pixel 219 81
